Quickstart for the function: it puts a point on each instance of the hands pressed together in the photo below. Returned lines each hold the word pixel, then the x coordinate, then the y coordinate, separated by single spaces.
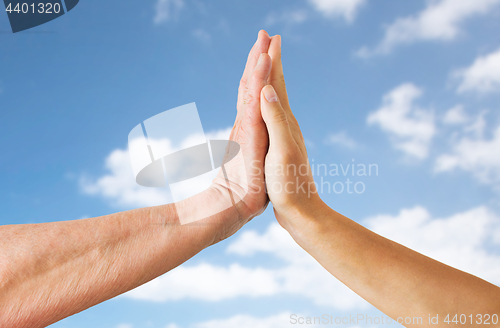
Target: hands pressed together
pixel 52 270
pixel 397 280
pixel 275 166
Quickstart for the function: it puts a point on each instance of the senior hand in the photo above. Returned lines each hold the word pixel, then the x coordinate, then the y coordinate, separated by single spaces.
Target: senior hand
pixel 243 178
pixel 87 261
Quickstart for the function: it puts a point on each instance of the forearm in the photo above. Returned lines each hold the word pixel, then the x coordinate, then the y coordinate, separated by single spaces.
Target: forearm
pixel 50 271
pixel 53 270
pixel 395 279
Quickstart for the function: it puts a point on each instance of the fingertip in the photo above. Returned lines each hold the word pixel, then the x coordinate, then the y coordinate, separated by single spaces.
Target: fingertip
pixel 278 39
pixel 263 33
pixel 264 40
pixel 275 47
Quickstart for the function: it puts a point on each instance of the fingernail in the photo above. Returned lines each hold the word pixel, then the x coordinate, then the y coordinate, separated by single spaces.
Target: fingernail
pixel 270 94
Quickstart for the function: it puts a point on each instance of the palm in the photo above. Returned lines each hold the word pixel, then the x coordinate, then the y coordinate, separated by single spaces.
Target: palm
pixel 244 175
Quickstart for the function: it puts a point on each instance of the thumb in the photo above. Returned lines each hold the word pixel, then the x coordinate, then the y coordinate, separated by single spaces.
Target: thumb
pixel 274 116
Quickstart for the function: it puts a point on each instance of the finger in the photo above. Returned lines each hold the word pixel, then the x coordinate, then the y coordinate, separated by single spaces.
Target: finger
pixel 277 80
pixel 250 108
pixel 275 118
pixel 257 82
pixel 260 46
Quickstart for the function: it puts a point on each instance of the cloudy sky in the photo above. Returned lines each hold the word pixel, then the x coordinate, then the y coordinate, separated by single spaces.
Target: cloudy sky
pixel 408 89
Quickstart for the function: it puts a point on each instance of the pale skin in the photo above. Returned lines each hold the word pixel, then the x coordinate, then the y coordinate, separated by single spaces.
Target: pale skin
pixel 53 270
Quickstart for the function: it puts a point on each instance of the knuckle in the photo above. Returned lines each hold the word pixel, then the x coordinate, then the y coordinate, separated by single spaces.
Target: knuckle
pixel 279 80
pixel 258 75
pixel 243 81
pixel 279 116
pixel 286 157
pixel 249 100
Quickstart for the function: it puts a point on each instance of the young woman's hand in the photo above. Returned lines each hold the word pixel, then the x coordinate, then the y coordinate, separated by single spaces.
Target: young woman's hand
pixel 289 181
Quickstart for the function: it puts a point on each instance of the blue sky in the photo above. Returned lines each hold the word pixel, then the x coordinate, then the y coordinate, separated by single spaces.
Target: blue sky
pixel 411 87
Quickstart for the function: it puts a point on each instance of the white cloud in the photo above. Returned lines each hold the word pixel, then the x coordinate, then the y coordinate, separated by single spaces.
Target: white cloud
pixel 341 139
pixel 275 240
pixel 441 20
pixel 465 240
pixel 281 320
pixel 167 10
pixel 118 186
pixel 287 17
pixel 222 134
pixel 483 76
pixel 346 9
pixel 409 127
pixel 474 153
pixel 208 282
pixel 300 276
pixel 172 325
pixel 202 35
pixel 124 325
pixel 455 116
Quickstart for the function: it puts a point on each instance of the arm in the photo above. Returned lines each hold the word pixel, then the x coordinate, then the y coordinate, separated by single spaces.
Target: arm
pixel 53 270
pixel 397 280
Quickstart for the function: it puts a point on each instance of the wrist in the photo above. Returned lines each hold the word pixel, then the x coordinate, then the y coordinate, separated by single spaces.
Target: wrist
pixel 210 214
pixel 305 220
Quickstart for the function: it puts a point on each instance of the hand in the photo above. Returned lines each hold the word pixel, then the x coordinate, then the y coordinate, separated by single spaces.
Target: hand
pixel 243 178
pixel 289 181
